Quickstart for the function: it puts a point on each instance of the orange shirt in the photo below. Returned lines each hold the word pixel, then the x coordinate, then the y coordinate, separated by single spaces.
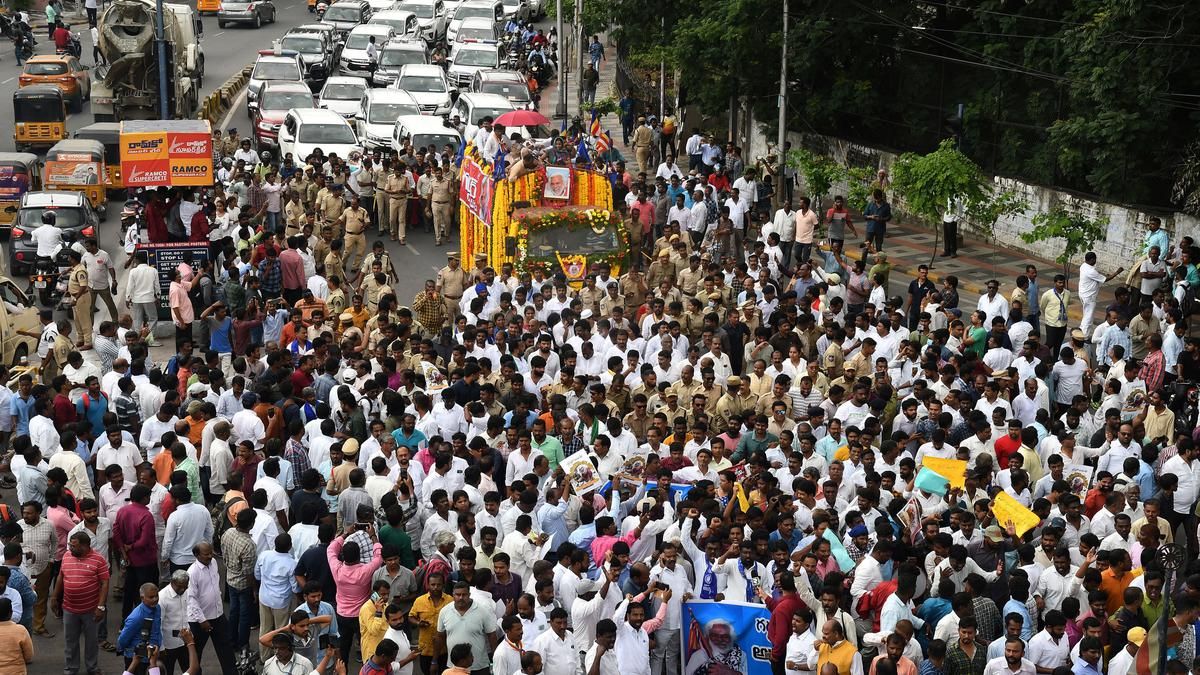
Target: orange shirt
pixel 164 464
pixel 1115 588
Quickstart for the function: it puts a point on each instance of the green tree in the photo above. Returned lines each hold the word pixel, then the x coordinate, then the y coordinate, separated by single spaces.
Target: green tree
pixel 930 183
pixel 820 173
pixel 1077 231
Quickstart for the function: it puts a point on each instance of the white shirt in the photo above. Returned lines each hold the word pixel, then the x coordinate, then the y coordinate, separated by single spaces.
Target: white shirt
pixel 48 239
pixel 559 655
pixel 141 284
pixel 1089 281
pixel 1044 652
pixel 1185 494
pixel 188 525
pixel 993 307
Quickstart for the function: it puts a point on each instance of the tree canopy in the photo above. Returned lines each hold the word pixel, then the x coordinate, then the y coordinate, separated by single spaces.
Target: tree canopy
pixel 1097 96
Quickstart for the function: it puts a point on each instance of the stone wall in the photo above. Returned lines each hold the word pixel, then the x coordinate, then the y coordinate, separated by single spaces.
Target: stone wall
pixel 1126 229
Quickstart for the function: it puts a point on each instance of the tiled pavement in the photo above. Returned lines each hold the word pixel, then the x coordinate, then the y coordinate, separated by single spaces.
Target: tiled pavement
pixel 909 245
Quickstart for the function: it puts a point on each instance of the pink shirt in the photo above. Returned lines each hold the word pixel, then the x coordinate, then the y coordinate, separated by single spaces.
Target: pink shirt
pixel 64 521
pixel 180 301
pixel 353 581
pixel 292 266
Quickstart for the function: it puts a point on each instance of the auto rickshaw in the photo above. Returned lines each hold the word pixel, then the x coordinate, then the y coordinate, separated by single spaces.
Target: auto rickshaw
pixel 20 172
pixel 78 165
pixel 109 135
pixel 39 115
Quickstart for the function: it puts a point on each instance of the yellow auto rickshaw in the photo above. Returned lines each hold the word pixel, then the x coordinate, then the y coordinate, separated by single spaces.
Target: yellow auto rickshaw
pixel 20 172
pixel 39 116
pixel 77 164
pixel 109 135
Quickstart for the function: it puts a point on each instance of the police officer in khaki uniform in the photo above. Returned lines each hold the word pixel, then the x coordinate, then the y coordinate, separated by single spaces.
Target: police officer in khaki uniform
pixel 452 280
pixel 355 219
pixel 77 287
pixel 643 144
pixel 398 188
pixel 231 143
pixel 330 207
pixel 441 192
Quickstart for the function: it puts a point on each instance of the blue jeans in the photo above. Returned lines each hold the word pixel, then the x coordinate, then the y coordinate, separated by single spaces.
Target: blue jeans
pixel 242 610
pixel 272 224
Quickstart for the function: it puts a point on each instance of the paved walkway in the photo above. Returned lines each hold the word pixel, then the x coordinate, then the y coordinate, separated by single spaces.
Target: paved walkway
pixel 909 245
pixel 607 87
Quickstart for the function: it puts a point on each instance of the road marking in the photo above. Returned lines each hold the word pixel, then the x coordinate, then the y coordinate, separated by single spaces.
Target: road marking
pixel 237 103
pixel 8 80
pixel 413 249
pixel 219 34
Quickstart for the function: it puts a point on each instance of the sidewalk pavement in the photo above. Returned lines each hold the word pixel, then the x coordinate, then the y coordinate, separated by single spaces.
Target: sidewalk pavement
pixel 909 245
pixel 606 87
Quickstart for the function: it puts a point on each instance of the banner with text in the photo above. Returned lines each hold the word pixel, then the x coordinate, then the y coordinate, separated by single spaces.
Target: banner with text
pixel 475 190
pixel 726 638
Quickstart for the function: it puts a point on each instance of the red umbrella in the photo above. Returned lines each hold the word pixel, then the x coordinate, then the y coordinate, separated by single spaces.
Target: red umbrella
pixel 522 118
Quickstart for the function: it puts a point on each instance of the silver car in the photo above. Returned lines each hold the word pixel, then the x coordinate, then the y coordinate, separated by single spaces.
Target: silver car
pixel 255 13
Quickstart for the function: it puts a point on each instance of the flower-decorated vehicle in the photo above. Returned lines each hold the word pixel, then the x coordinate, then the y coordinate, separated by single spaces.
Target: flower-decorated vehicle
pixel 558 218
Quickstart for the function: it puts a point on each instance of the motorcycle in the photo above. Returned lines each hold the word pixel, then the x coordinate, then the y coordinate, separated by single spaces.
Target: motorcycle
pixel 74 47
pixel 49 278
pixel 131 213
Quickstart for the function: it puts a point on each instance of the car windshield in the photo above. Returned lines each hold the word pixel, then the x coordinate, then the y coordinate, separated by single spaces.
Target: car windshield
pixel 423 84
pixel 45 68
pixel 401 57
pixel 510 91
pixel 361 40
pixel 395 24
pixel 344 14
pixel 285 100
pixel 343 92
pixel 276 70
pixel 422 11
pixel 386 113
pixel 474 33
pixel 475 57
pixel 321 134
pixel 581 240
pixel 30 218
pixel 480 113
pixel 468 11
pixel 304 45
pixel 438 140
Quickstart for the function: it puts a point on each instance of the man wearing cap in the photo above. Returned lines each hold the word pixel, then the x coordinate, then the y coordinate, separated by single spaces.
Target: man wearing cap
pixel 452 280
pixel 355 219
pixel 330 206
pixel 643 143
pixel 1122 661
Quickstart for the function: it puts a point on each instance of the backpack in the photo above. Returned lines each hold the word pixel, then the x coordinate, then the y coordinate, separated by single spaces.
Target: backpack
pixel 87 401
pixel 221 521
pixel 427 567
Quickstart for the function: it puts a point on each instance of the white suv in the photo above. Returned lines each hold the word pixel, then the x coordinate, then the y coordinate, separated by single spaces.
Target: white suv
pixel 305 130
pixel 427 83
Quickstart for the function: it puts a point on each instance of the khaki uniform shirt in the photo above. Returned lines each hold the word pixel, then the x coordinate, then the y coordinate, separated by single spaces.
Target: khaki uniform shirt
pixel 441 190
pixel 452 283
pixel 78 281
pixel 398 186
pixel 356 220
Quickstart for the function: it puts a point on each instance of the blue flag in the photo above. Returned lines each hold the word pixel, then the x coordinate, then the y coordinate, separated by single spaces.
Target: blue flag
pixel 499 165
pixel 583 157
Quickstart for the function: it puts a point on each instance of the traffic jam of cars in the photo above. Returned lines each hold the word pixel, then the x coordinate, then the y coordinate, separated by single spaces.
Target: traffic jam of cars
pixel 374 75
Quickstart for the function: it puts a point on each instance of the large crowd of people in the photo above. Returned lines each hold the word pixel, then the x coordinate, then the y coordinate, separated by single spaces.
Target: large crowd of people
pixel 326 476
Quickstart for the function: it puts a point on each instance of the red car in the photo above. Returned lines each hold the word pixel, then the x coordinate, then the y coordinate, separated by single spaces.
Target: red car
pixel 276 100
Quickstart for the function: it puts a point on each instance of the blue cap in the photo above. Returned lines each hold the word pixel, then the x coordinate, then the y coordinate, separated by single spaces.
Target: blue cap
pixel 480 287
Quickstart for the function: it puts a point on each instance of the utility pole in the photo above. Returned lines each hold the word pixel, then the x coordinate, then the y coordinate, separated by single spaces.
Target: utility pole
pixel 662 78
pixel 581 44
pixel 783 60
pixel 164 111
pixel 560 110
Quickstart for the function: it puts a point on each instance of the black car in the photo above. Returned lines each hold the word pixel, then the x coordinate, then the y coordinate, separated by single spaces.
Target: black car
pixel 75 218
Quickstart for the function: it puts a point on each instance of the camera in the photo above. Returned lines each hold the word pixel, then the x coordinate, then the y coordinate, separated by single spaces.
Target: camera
pixel 143 643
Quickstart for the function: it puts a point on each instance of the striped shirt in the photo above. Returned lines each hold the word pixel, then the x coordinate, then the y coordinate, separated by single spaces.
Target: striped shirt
pixel 41 541
pixel 81 579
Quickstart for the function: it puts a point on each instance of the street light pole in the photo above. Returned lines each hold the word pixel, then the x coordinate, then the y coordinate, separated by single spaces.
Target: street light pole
pixel 560 110
pixel 783 62
pixel 164 108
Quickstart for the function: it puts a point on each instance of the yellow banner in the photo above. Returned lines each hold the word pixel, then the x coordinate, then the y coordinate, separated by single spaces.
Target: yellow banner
pixel 953 470
pixel 740 493
pixel 1008 510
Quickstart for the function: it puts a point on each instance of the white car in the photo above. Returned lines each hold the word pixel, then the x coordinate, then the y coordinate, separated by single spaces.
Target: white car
pixel 431 14
pixel 476 29
pixel 427 83
pixel 273 65
pixel 341 94
pixel 468 58
pixel 306 130
pixel 395 55
pixel 474 9
pixel 423 131
pixel 403 22
pixel 377 114
pixel 354 59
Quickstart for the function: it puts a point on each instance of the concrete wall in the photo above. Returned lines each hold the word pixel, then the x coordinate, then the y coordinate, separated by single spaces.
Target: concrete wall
pixel 1126 225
